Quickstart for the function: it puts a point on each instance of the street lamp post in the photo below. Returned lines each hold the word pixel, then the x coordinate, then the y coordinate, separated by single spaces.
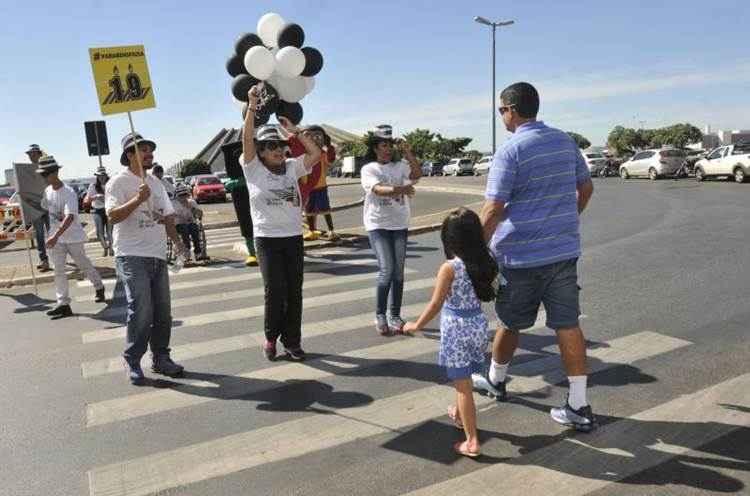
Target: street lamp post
pixel 494 26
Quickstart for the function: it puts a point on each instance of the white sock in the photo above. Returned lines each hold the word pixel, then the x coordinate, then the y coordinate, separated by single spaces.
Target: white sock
pixel 577 394
pixel 498 371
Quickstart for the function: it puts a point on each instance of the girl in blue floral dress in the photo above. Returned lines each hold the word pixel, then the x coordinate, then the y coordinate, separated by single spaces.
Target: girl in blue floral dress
pixel 463 282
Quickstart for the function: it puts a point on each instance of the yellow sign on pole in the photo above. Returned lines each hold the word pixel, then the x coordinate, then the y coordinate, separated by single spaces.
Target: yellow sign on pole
pixel 121 78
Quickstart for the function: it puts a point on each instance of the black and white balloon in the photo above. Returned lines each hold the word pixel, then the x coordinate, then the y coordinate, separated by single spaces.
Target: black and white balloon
pixel 274 55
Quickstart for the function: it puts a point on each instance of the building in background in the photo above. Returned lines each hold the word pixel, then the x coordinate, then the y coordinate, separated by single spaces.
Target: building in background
pixel 721 138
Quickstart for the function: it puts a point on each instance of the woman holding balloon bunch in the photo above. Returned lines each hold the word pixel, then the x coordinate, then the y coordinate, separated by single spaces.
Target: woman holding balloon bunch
pixel 275 205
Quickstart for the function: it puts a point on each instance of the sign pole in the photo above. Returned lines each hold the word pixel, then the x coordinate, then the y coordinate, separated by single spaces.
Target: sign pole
pixel 28 252
pixel 98 145
pixel 137 151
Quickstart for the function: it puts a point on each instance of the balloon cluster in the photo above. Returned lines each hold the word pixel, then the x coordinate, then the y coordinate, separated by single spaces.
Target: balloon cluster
pixel 275 55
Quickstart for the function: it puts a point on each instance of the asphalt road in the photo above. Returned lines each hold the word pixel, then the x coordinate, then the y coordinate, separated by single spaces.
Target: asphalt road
pixel 664 281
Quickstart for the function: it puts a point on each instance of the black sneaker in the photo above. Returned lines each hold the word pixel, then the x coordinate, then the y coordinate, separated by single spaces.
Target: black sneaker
pixel 582 420
pixel 99 296
pixel 61 311
pixel 484 385
pixel 296 354
pixel 163 364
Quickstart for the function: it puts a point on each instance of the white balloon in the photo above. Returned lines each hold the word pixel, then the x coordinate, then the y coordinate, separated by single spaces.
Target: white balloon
pixel 290 62
pixel 310 84
pixel 259 62
pixel 291 89
pixel 268 28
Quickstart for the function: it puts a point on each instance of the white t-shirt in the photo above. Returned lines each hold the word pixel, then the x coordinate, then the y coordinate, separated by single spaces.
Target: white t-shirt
pixel 183 213
pixel 96 202
pixel 385 212
pixel 275 204
pixel 140 234
pixel 61 203
pixel 169 187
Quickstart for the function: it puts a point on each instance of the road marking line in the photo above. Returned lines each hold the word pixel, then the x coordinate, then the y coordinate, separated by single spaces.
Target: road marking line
pixel 114 364
pixel 230 454
pixel 253 311
pixel 636 450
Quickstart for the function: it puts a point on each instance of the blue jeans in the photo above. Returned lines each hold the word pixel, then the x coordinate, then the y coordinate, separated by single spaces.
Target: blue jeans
pixel 390 250
pixel 149 312
pixel 41 226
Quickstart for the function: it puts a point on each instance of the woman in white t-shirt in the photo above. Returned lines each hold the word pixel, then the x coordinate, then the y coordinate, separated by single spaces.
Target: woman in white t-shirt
pixel 388 186
pixel 95 196
pixel 273 190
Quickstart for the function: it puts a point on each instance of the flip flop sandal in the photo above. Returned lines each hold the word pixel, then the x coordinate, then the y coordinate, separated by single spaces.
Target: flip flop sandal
pixel 453 414
pixel 457 447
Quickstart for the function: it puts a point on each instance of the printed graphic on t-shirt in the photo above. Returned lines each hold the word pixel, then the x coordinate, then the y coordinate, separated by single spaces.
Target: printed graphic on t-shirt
pixel 388 201
pixel 147 220
pixel 288 194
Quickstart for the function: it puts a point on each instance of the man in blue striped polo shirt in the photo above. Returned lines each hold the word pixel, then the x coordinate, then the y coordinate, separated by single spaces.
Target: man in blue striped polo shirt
pixel 537 187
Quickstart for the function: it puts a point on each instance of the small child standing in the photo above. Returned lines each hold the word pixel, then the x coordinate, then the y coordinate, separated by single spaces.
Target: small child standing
pixel 186 211
pixel 463 282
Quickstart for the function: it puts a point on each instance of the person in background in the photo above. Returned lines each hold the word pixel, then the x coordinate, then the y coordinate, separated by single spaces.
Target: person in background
pixel 273 189
pixel 316 201
pixel 158 171
pixel 186 211
pixel 143 217
pixel 95 196
pixel 537 188
pixel 41 225
pixel 386 218
pixel 238 189
pixel 67 237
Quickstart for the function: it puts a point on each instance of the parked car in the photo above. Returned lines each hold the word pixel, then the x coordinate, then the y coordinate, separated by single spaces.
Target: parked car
pixel 208 187
pixel 459 167
pixel 432 168
pixel 483 166
pixel 596 162
pixel 653 164
pixel 223 176
pixel 732 161
pixel 334 171
pixel 6 193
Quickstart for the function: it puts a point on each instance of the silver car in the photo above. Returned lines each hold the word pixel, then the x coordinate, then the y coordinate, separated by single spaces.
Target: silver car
pixel 653 164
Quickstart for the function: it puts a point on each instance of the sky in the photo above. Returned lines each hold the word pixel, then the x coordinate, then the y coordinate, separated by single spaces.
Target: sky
pixel 412 64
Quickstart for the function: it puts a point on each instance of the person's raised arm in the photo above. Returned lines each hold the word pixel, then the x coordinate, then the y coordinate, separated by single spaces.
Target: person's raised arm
pixel 416 168
pixel 248 132
pixel 312 150
pixel 440 293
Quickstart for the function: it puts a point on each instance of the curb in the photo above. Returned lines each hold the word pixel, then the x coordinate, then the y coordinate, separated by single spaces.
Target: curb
pixel 75 275
pixel 347 239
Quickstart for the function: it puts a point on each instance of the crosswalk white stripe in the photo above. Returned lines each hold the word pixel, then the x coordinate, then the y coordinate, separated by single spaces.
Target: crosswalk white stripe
pixel 251 276
pixel 110 365
pixel 254 311
pixel 230 454
pixel 704 406
pixel 152 402
pixel 189 271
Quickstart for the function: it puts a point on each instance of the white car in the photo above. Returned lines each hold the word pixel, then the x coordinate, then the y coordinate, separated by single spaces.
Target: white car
pixel 596 162
pixel 731 161
pixel 653 164
pixel 459 167
pixel 483 166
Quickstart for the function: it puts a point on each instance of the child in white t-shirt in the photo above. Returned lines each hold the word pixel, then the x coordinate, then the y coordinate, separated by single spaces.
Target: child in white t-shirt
pixel 186 212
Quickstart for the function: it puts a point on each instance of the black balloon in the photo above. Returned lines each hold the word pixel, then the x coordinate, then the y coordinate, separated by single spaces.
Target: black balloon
pixel 241 85
pixel 291 35
pixel 313 61
pixel 235 66
pixel 292 111
pixel 245 43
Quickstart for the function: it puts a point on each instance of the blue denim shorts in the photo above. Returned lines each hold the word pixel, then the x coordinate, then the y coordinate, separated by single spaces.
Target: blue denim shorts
pixel 555 286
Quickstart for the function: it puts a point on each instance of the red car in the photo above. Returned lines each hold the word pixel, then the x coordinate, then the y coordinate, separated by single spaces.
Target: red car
pixel 5 194
pixel 208 188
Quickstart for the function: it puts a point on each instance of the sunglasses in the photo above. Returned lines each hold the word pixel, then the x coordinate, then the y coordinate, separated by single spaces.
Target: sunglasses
pixel 272 146
pixel 505 108
pixel 44 174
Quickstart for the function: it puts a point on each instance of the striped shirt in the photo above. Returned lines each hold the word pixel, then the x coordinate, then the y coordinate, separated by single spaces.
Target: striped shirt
pixel 536 173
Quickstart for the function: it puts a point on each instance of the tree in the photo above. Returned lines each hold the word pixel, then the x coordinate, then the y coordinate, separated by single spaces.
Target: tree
pixel 355 148
pixel 473 155
pixel 681 135
pixel 421 142
pixel 581 141
pixel 192 167
pixel 622 140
